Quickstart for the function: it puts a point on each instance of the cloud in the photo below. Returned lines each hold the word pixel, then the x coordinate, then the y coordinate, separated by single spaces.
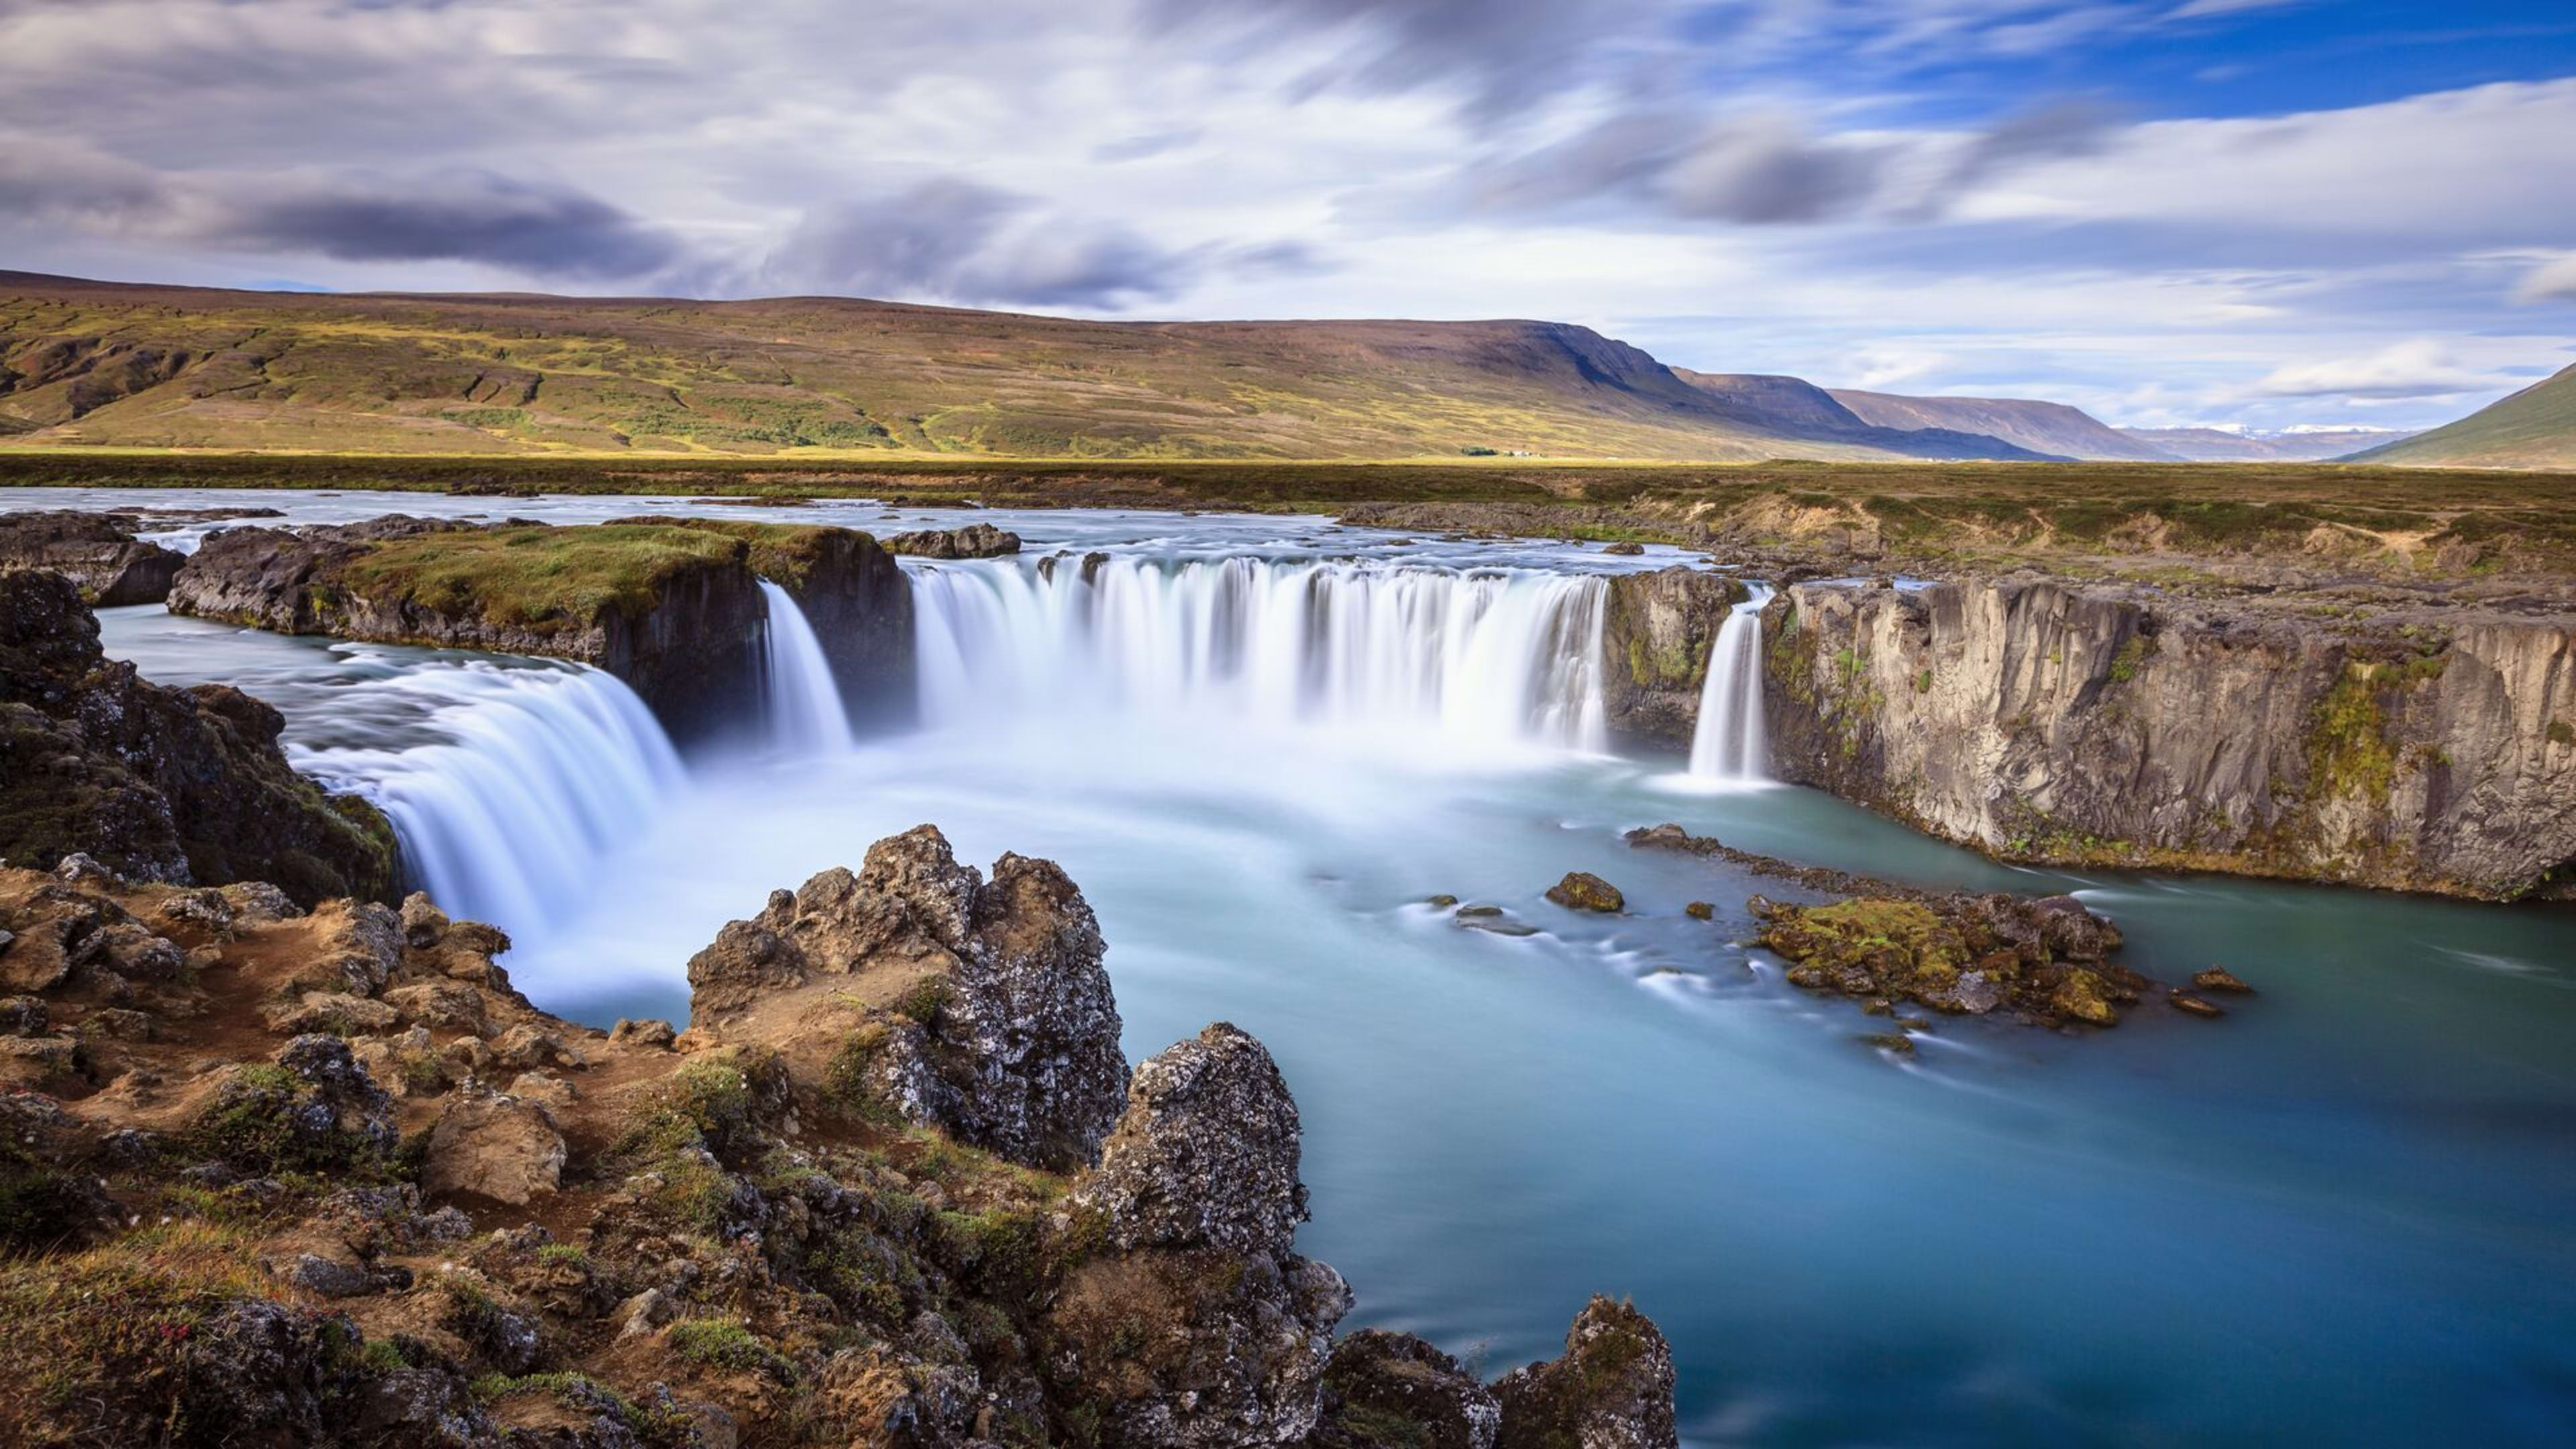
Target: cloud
pixel 1501 54
pixel 465 215
pixel 1879 367
pixel 1765 170
pixel 452 215
pixel 963 242
pixel 2550 282
pixel 2419 369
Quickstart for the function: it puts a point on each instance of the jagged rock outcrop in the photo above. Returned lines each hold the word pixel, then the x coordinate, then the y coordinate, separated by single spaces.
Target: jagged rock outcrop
pixel 1198 1192
pixel 2116 727
pixel 1655 644
pixel 975 540
pixel 1205 1155
pixel 991 1016
pixel 182 786
pixel 96 551
pixel 1613 1389
pixel 671 606
pixel 1393 1391
pixel 714 1239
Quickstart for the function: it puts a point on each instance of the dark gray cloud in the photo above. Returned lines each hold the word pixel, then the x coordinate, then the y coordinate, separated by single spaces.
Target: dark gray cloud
pixel 467 216
pixel 450 215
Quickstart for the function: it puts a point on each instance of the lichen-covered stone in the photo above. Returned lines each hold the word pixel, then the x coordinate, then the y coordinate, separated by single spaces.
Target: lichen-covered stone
pixel 1206 1153
pixel 1393 1391
pixel 1004 1032
pixel 2048 959
pixel 1612 1389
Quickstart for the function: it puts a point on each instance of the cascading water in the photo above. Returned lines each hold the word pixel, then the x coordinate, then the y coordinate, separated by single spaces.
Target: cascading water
pixel 1728 743
pixel 532 777
pixel 1499 658
pixel 806 714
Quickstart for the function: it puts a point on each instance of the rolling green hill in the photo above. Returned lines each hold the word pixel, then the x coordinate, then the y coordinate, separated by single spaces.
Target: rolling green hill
pixel 2534 428
pixel 107 364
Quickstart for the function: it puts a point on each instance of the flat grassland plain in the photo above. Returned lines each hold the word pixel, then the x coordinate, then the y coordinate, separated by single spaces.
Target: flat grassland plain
pixel 2164 522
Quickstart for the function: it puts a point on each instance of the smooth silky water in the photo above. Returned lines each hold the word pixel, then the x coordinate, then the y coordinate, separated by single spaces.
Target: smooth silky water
pixel 2341 1215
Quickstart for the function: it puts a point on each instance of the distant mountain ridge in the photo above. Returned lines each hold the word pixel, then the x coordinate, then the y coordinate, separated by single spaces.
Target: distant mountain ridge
pixel 2534 428
pixel 116 364
pixel 1819 413
pixel 2041 427
pixel 2223 445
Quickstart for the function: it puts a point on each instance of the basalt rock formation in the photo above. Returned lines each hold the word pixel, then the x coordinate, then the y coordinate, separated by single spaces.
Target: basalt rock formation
pixel 981 1007
pixel 186 786
pixel 1655 646
pixel 2116 726
pixel 1613 1389
pixel 853 593
pixel 673 607
pixel 975 540
pixel 97 551
pixel 276 1177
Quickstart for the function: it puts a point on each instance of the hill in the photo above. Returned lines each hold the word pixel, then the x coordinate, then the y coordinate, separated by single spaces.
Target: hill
pixel 2534 428
pixel 2222 445
pixel 109 364
pixel 1762 400
pixel 2042 427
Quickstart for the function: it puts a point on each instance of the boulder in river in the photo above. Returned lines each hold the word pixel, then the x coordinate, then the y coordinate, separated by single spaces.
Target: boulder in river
pixel 1584 891
pixel 2048 959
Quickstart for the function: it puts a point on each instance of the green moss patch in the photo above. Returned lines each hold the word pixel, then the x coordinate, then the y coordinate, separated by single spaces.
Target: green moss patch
pixel 538 577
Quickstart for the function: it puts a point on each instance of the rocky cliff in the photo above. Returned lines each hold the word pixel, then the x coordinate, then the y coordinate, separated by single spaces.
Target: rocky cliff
pixel 2430 751
pixel 672 607
pixel 97 551
pixel 1655 645
pixel 186 786
pixel 276 1177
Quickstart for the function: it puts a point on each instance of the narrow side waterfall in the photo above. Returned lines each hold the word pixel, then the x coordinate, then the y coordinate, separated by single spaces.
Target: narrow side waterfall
pixel 528 777
pixel 1483 658
pixel 1727 744
pixel 806 714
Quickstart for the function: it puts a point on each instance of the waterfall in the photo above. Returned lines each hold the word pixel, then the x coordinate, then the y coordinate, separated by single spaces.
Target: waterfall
pixel 1471 658
pixel 1728 743
pixel 806 714
pixel 530 776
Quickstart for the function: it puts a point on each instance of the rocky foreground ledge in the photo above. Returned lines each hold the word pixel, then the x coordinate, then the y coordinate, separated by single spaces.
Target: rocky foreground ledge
pixel 275 1176
pixel 672 606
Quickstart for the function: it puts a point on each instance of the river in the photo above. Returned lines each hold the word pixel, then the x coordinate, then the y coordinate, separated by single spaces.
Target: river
pixel 2340 1215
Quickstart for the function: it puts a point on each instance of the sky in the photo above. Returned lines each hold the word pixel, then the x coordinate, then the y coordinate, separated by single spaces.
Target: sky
pixel 2252 212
